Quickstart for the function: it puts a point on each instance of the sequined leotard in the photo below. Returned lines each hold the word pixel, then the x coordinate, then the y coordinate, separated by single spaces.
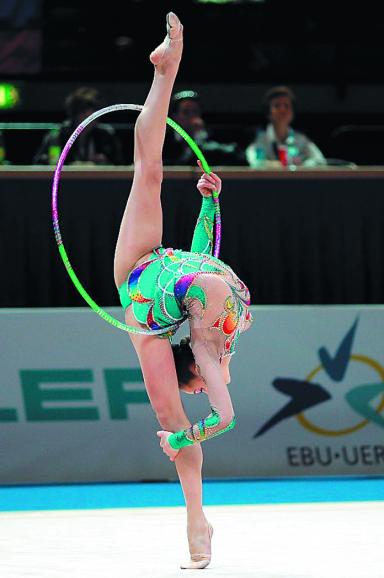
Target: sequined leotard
pixel 165 288
pixel 174 285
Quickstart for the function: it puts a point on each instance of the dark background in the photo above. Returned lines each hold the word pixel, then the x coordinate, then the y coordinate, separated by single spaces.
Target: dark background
pixel 307 241
pixel 331 57
pixel 249 41
pixel 294 239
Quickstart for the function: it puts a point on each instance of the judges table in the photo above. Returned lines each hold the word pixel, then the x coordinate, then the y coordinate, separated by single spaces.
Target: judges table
pixel 294 237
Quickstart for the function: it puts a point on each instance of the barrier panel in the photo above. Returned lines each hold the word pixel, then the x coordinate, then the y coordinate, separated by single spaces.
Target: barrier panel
pixel 307 387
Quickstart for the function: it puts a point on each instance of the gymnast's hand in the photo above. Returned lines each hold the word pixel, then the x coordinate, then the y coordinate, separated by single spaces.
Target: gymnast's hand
pixel 167 449
pixel 208 183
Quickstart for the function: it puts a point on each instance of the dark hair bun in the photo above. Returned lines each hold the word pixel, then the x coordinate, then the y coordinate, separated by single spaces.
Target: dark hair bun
pixel 185 342
pixel 183 356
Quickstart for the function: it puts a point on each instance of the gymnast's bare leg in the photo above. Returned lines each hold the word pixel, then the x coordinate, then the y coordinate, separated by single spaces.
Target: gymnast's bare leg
pixel 141 231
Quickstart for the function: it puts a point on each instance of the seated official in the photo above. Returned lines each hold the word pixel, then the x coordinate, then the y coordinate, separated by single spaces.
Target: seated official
pixel 186 111
pixel 279 143
pixel 98 144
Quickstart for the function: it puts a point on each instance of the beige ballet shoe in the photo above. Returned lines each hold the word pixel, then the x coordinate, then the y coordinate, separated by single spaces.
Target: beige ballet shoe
pixel 174 27
pixel 170 50
pixel 200 560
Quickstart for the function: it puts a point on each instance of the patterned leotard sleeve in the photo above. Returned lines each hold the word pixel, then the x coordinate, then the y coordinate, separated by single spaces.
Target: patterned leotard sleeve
pixel 202 241
pixel 221 419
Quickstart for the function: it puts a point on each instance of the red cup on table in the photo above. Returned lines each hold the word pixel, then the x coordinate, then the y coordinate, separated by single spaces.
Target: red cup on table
pixel 283 155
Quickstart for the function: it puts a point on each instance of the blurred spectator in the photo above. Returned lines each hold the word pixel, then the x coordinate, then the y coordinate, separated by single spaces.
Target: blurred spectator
pixel 98 144
pixel 186 111
pixel 279 144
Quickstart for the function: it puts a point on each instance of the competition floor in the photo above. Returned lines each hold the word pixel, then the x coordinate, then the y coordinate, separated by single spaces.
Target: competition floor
pixel 264 529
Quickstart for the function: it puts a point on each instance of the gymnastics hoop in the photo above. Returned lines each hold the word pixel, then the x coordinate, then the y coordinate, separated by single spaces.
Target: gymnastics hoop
pixel 55 214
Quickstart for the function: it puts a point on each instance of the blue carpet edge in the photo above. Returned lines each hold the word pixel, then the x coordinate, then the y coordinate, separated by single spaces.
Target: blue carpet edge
pixel 168 494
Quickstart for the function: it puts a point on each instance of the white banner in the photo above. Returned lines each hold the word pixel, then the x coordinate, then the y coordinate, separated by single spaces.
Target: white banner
pixel 307 387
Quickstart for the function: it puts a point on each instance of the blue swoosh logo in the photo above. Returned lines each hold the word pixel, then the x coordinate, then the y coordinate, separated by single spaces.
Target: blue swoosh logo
pixel 336 365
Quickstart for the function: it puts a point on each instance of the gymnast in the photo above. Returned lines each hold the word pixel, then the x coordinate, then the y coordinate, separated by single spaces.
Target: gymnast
pixel 160 288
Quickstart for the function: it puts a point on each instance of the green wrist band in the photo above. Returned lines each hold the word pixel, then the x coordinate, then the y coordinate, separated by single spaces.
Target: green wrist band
pixel 203 430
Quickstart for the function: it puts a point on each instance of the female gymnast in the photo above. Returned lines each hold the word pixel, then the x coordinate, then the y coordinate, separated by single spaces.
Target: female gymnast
pixel 161 288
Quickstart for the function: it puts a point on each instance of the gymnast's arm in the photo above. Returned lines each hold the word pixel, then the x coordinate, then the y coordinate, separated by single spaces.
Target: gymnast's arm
pixel 202 241
pixel 222 418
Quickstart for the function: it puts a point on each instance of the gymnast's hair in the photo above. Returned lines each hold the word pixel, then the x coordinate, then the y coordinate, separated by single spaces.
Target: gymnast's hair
pixel 183 357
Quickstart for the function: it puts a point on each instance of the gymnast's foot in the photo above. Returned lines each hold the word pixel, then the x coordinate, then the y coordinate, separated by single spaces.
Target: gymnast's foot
pixel 200 550
pixel 168 54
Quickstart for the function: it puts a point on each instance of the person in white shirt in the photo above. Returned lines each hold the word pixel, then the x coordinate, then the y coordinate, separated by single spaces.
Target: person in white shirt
pixel 279 144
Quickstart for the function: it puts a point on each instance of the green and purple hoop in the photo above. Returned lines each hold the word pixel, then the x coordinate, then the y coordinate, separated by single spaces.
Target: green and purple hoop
pixel 55 214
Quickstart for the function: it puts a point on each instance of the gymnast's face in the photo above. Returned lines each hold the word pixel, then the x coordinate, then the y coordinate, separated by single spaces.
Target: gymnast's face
pixel 197 384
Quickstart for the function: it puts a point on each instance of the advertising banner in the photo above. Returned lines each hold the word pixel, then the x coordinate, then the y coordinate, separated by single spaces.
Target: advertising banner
pixel 307 387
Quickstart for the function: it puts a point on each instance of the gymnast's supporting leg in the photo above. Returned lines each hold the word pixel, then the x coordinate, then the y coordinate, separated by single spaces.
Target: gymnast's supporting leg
pixel 189 465
pixel 156 360
pixel 140 232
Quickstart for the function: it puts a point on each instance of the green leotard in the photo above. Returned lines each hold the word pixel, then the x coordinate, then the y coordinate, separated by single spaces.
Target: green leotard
pixel 150 287
pixel 162 289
